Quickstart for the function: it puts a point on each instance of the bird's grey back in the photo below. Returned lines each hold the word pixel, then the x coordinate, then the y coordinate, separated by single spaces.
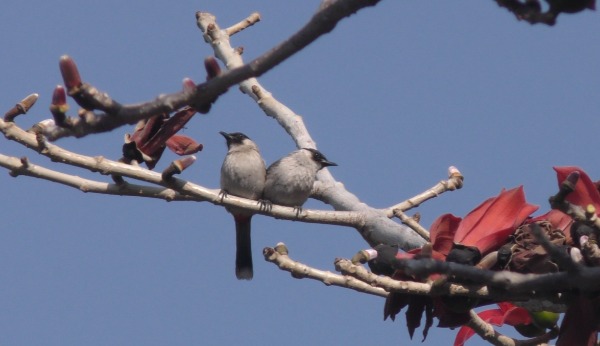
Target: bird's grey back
pixel 290 179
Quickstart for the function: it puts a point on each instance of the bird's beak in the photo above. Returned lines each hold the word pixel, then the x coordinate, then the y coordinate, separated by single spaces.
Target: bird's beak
pixel 227 137
pixel 326 163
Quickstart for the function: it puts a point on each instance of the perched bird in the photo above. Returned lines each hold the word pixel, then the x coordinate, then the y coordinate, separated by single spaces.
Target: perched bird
pixel 291 178
pixel 243 174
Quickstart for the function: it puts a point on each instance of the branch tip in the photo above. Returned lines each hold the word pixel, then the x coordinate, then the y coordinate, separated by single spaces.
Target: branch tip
pixel 21 108
pixel 363 256
pixel 188 85
pixel 70 74
pixel 590 212
pixel 281 249
pixel 244 24
pixel 59 106
pixel 178 166
pixel 212 67
pixel 453 172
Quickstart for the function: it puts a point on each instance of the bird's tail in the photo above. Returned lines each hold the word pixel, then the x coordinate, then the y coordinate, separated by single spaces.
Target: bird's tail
pixel 243 256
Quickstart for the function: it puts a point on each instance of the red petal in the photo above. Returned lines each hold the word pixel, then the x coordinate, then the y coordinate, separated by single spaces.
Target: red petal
pixel 488 226
pixel 183 145
pixel 414 312
pixel 516 316
pixel 166 130
pixel 442 233
pixel 394 303
pixel 506 314
pixel 585 190
pixel 505 306
pixel 146 129
pixel 579 324
pixel 472 219
pixel 464 334
pixel 494 316
pixel 177 121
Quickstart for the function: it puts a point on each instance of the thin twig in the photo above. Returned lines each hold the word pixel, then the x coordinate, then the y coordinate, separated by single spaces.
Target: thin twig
pixel 195 191
pixel 279 256
pixel 454 182
pixel 19 167
pixel 487 332
pixel 244 24
pixel 412 223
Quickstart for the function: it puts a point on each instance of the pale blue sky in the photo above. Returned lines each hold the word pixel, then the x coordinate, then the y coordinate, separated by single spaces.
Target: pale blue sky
pixel 394 95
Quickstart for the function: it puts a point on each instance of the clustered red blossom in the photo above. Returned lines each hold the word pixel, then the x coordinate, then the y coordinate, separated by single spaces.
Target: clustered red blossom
pixel 504 224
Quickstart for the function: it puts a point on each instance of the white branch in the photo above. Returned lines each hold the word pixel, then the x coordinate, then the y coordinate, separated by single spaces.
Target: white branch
pixel 359 279
pixel 279 256
pixel 377 227
pixel 487 332
pixel 193 191
pixel 24 167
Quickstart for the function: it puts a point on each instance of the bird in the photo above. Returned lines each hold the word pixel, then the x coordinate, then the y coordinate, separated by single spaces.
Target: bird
pixel 243 174
pixel 290 179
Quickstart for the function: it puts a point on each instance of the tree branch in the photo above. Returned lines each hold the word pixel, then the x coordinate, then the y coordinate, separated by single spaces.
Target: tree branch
pixel 183 187
pixel 279 256
pixel 487 332
pixel 529 11
pixel 454 182
pixel 357 278
pixel 24 167
pixel 377 228
pixel 115 115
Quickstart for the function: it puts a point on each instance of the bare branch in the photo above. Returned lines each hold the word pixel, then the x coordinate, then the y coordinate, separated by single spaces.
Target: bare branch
pixel 377 228
pixel 21 107
pixel 454 182
pixel 24 167
pixel 194 191
pixel 357 278
pixel 487 332
pixel 529 11
pixel 244 24
pixel 279 256
pixel 586 214
pixel 115 115
pixel 412 223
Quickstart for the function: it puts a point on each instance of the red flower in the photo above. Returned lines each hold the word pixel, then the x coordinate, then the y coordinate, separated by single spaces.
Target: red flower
pixel 586 191
pixel 442 233
pixel 506 313
pixel 488 226
pixel 581 323
pixel 152 136
pixel 483 230
pixel 557 218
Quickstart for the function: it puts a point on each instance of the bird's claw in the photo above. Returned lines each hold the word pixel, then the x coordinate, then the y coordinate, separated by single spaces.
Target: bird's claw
pixel 298 210
pixel 265 205
pixel 223 194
